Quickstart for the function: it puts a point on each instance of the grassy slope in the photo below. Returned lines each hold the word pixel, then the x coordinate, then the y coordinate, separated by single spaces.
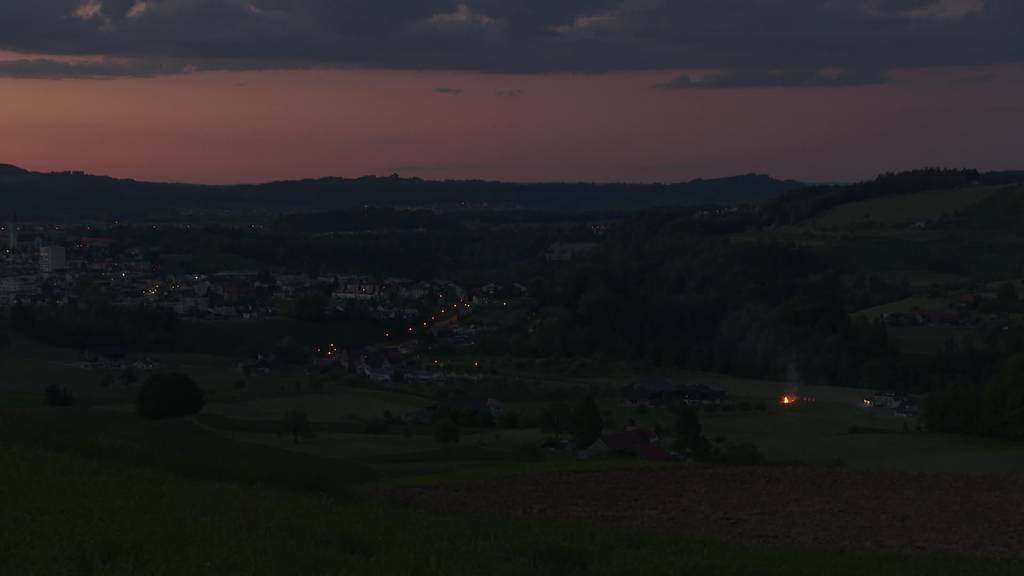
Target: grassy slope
pixel 904 208
pixel 875 237
pixel 66 515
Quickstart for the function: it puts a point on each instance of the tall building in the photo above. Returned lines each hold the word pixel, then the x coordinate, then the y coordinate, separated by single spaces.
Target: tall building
pixel 52 259
pixel 12 235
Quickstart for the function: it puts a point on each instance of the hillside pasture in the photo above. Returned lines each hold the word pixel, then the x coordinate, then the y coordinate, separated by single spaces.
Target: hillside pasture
pixel 903 209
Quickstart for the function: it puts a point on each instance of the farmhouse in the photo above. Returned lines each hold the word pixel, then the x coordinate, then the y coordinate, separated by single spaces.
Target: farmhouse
pixel 640 443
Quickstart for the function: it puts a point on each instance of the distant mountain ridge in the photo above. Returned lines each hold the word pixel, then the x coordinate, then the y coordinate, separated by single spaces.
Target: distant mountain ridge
pixel 69 196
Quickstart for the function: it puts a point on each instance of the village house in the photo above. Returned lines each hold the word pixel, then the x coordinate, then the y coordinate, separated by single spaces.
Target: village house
pixel 639 443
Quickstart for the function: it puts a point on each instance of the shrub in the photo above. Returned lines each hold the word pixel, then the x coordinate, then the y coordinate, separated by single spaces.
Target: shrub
pixel 867 430
pixel 509 419
pixel 586 423
pixel 556 418
pixel 57 395
pixel 530 452
pixel 446 432
pixel 687 429
pixel 169 395
pixel 377 426
pixel 296 424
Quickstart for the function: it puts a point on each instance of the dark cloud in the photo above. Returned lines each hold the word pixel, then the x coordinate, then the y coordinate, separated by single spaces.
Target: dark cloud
pixel 791 78
pixel 977 79
pixel 449 91
pixel 50 69
pixel 744 43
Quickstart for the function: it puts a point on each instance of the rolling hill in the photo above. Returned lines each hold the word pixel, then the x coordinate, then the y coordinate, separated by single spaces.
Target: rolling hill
pixel 75 196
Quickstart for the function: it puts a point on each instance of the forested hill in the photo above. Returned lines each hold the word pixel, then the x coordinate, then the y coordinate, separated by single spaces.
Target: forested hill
pixel 79 196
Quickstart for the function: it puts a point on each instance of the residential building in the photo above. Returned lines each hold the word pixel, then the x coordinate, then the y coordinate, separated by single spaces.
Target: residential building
pixel 52 259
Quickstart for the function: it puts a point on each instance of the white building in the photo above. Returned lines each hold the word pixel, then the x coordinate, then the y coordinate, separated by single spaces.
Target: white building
pixel 52 259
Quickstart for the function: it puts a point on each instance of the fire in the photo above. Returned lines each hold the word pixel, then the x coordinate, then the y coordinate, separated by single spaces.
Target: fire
pixel 787 399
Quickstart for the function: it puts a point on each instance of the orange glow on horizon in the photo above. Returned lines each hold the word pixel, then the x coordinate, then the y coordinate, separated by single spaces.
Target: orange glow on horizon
pixel 231 127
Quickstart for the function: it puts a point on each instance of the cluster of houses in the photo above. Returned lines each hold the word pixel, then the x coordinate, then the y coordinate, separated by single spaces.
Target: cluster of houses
pixel 566 251
pixel 384 366
pixel 653 392
pixel 633 442
pixel 930 318
pixel 115 358
pixel 898 404
pixel 33 273
pixel 470 411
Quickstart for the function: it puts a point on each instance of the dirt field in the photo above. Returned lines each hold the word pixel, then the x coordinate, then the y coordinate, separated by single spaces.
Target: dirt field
pixel 790 507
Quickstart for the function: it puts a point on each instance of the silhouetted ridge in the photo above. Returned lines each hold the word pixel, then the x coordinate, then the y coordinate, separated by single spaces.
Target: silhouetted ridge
pixel 79 196
pixel 8 169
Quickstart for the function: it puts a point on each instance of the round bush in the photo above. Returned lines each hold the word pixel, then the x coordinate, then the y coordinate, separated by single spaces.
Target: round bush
pixel 168 396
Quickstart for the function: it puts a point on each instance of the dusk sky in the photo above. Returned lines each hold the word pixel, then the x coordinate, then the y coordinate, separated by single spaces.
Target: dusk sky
pixel 225 91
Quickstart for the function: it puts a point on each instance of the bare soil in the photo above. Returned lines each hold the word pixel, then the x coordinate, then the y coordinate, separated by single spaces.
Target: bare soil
pixel 832 509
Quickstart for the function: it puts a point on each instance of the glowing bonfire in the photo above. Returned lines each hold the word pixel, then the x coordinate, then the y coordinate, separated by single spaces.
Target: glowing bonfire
pixel 787 400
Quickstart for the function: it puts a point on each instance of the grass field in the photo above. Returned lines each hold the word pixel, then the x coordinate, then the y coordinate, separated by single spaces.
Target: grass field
pixel 385 446
pixel 338 404
pixel 246 421
pixel 102 491
pixel 28 368
pixel 819 433
pixel 177 446
pixel 920 279
pixel 66 515
pixel 905 306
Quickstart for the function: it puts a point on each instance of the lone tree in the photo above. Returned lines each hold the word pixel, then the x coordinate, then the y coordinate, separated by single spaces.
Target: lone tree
pixel 687 428
pixel 586 423
pixel 688 437
pixel 296 424
pixel 446 432
pixel 556 418
pixel 170 395
pixel 57 395
pixel 1007 295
